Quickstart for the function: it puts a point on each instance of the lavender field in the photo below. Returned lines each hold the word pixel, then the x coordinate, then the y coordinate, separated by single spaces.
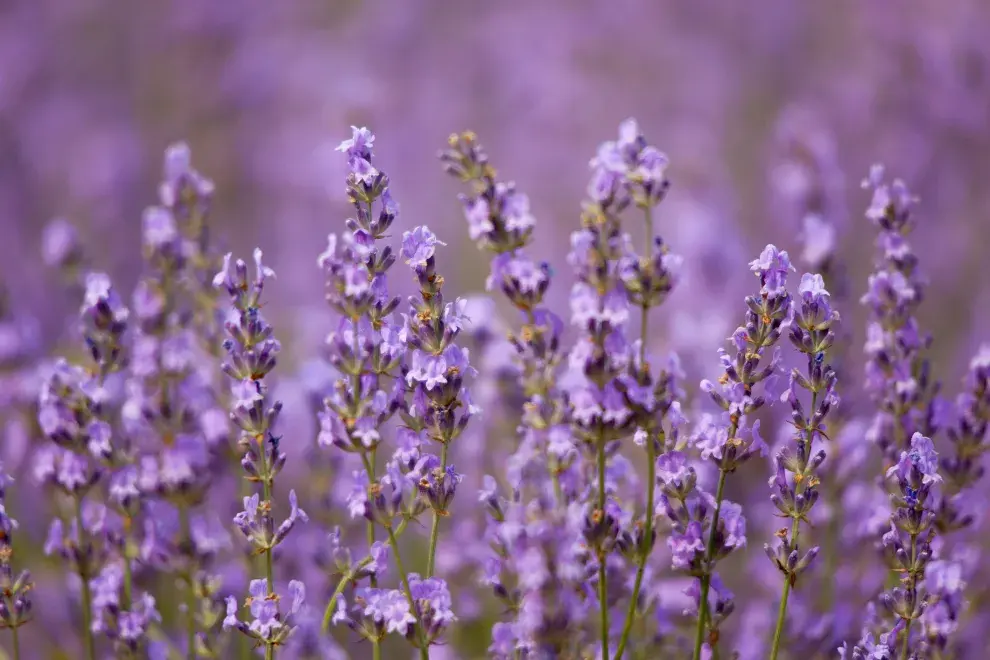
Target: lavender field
pixel 453 330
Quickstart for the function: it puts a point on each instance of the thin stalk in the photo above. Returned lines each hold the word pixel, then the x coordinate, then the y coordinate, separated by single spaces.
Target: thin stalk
pixel 533 387
pixel 913 581
pixel 795 531
pixel 266 494
pixel 641 568
pixel 706 579
pixel 87 598
pixel 644 326
pixel 190 594
pixel 602 572
pixel 369 467
pixel 349 577
pixel 424 652
pixel 128 577
pixel 376 650
pixel 369 461
pixel 778 631
pixel 16 642
pixel 266 486
pixel 435 531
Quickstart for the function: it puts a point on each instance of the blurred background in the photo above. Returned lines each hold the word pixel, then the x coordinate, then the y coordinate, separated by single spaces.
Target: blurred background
pixel 766 108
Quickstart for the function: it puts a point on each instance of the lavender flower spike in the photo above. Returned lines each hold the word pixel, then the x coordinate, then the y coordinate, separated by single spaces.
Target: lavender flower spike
pixel 908 545
pixel 437 377
pixel 795 481
pixel 251 355
pixel 732 441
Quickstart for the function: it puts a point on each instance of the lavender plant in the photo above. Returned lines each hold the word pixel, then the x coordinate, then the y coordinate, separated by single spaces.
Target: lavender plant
pixel 413 367
pixel 794 496
pixel 604 529
pixel 251 356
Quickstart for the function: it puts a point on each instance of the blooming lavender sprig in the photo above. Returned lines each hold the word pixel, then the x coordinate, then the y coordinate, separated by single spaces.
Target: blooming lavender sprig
pixel 907 545
pixel 537 571
pixel 542 547
pixel 366 348
pixel 690 510
pixel 946 588
pixel 73 413
pixel 630 170
pixel 898 375
pixel 500 221
pixel 731 441
pixel 15 591
pixel 173 409
pixel 440 403
pixel 962 469
pixel 795 482
pixel 251 356
pixel 600 360
pixel 188 196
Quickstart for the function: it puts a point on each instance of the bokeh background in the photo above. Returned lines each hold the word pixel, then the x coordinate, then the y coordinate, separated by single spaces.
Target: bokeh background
pixel 760 106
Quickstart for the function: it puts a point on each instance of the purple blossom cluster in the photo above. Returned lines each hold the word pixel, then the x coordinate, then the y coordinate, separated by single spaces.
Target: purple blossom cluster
pixel 586 512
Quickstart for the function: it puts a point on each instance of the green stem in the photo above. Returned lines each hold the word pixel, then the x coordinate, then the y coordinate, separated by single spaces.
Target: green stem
pixel 87 598
pixel 369 467
pixel 266 486
pixel 706 578
pixel 795 532
pixel 376 650
pixel 349 577
pixel 435 531
pixel 424 652
pixel 648 535
pixel 913 582
pixel 778 631
pixel 341 586
pixel 644 324
pixel 190 593
pixel 602 572
pixel 128 577
pixel 16 643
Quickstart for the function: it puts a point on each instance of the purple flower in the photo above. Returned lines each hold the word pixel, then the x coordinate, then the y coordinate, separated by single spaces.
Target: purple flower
pixel 772 267
pixel 477 211
pixel 687 546
pixel 419 245
pixel 733 525
pixel 359 145
pixel 921 457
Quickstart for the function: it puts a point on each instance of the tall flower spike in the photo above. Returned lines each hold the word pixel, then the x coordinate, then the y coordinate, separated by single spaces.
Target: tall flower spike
pixel 955 511
pixel 795 481
pixel 437 377
pixel 368 349
pixel 500 221
pixel 731 440
pixel 898 375
pixel 251 355
pixel 908 545
pixel 73 413
pixel 546 464
pixel 173 412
